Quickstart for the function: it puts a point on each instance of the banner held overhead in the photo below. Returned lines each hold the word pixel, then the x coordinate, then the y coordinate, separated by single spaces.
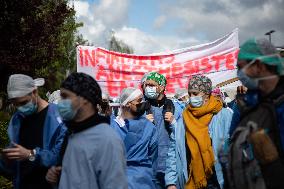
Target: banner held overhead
pixel 115 71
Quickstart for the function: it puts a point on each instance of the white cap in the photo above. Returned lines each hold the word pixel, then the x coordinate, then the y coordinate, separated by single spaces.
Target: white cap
pixel 129 94
pixel 20 85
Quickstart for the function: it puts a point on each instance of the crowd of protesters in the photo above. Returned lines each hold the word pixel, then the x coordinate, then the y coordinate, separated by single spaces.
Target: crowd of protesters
pixel 197 140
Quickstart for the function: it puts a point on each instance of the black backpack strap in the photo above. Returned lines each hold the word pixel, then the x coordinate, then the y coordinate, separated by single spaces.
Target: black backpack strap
pixel 168 107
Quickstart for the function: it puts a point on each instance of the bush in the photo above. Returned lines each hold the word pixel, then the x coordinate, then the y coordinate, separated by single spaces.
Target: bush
pixel 4 141
pixel 4 121
pixel 5 184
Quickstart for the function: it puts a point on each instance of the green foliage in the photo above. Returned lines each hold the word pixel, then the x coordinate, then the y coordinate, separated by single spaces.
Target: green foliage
pixel 5 184
pixel 4 121
pixel 39 38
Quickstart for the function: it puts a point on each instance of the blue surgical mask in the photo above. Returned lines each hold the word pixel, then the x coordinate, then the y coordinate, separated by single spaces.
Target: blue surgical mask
pixel 28 109
pixel 196 101
pixel 66 110
pixel 250 83
pixel 151 92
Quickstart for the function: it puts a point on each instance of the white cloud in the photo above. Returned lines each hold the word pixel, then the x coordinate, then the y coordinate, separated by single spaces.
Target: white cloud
pixel 199 21
pixel 160 21
pixel 82 8
pixel 100 19
pixel 113 13
pixel 209 20
pixel 144 43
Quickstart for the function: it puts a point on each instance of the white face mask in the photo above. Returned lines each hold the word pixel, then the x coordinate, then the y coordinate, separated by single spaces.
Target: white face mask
pixel 151 92
pixel 196 101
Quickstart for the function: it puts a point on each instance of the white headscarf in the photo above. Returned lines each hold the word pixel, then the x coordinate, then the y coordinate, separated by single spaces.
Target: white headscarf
pixel 129 94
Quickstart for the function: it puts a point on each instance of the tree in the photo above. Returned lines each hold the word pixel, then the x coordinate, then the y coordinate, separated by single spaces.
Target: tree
pixel 38 38
pixel 118 45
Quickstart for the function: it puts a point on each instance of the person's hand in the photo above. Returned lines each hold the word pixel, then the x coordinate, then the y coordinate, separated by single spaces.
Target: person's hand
pixel 150 117
pixel 169 117
pixel 242 89
pixel 53 174
pixel 171 187
pixel 17 152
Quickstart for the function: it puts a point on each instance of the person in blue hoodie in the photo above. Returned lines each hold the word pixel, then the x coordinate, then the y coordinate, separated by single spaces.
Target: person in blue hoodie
pixel 140 139
pixel 36 133
pixel 165 114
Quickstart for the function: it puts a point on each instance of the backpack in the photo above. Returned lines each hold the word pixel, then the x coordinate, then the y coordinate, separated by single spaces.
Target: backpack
pixel 167 107
pixel 257 130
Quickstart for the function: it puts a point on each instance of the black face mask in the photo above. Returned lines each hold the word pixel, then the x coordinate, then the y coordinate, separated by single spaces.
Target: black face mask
pixel 140 109
pixel 104 106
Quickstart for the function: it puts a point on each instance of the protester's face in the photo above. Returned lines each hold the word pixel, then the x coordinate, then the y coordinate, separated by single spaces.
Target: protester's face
pixel 152 83
pixel 66 94
pixel 21 101
pixel 250 68
pixel 197 93
pixel 133 103
pixel 193 92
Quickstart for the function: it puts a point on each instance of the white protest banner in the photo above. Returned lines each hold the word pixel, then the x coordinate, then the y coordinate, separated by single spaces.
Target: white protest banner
pixel 115 71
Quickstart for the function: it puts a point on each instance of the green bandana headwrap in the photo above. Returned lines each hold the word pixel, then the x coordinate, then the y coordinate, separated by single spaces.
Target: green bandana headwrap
pixel 159 78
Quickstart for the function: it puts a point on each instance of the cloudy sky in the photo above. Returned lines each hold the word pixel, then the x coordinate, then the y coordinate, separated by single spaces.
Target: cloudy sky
pixel 151 26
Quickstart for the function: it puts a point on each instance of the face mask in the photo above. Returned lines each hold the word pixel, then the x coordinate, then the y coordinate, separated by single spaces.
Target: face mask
pixel 247 81
pixel 66 110
pixel 196 101
pixel 251 83
pixel 151 92
pixel 28 109
pixel 140 109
